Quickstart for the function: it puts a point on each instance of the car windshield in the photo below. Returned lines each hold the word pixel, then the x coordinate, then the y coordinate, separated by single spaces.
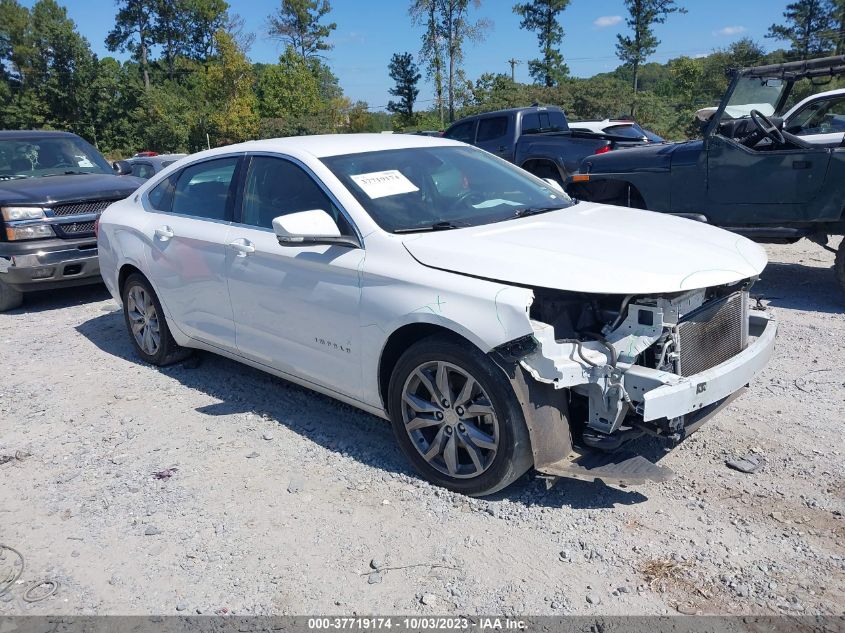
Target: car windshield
pixel 34 157
pixel 755 93
pixel 431 188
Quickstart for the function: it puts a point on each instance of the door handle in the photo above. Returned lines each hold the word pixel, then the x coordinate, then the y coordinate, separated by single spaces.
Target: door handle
pixel 243 247
pixel 164 233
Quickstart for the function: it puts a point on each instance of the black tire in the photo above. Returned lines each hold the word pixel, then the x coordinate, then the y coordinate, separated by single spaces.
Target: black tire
pixel 9 297
pixel 167 351
pixel 839 265
pixel 512 456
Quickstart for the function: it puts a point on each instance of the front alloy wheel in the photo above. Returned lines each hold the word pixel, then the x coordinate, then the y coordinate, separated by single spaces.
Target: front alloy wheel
pixel 456 417
pixel 450 419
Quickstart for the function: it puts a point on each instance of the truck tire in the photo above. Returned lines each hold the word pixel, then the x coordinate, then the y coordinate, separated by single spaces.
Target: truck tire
pixel 9 297
pixel 456 417
pixel 839 265
pixel 147 325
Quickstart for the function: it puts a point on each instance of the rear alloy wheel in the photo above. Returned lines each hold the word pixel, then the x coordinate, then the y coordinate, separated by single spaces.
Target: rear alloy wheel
pixel 147 324
pixel 456 418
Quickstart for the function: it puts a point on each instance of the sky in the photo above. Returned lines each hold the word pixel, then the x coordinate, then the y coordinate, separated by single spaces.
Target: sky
pixel 370 31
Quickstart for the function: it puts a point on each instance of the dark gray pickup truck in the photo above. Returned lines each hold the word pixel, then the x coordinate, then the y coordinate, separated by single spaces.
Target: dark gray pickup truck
pixel 53 186
pixel 537 138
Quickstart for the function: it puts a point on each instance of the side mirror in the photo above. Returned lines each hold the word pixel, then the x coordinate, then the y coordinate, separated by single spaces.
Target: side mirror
pixel 308 228
pixel 122 167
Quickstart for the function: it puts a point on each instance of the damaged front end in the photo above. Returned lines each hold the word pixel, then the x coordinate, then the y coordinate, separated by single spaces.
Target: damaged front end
pixel 600 371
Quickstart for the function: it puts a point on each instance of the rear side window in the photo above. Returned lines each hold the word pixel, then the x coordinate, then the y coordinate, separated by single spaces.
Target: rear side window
pixel 275 187
pixel 202 190
pixel 142 170
pixel 160 197
pixel 492 128
pixel 463 132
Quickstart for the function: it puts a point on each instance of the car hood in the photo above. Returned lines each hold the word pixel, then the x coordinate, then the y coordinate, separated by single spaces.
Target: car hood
pixel 594 248
pixel 70 188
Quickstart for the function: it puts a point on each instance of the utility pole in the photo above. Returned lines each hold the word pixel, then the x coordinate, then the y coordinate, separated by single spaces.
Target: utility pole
pixel 513 62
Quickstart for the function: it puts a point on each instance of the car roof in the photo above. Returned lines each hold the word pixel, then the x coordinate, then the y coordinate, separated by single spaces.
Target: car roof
pixel 324 145
pixel 36 133
pixel 158 158
pixel 537 108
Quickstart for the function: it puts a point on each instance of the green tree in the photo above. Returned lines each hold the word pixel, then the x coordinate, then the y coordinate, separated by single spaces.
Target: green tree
pixel 133 30
pixel 297 24
pixel 169 29
pixel 228 88
pixel 203 20
pixel 810 28
pixel 289 97
pixel 15 46
pixel 839 22
pixel 542 16
pixel 456 28
pixel 634 49
pixel 403 71
pixel 425 13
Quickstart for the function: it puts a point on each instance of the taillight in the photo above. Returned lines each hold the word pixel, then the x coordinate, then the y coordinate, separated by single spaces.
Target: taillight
pixel 97 227
pixel 603 150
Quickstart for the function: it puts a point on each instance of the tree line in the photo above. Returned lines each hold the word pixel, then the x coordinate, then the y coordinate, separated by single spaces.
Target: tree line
pixel 188 82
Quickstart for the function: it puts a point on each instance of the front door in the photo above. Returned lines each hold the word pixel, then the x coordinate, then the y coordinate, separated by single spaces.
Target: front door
pixel 188 222
pixel 295 307
pixel 748 186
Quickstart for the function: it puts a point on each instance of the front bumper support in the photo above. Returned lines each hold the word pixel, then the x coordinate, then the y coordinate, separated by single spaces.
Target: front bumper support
pixel 34 266
pixel 667 395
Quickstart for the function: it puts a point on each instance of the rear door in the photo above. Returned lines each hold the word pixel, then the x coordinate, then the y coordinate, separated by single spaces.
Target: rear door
pixel 295 307
pixel 188 221
pixel 495 135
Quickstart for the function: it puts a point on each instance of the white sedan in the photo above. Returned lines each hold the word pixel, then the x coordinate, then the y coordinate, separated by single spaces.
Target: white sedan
pixel 494 321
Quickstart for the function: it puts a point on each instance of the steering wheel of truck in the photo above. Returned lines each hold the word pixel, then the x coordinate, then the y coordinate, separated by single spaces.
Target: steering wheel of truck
pixel 767 128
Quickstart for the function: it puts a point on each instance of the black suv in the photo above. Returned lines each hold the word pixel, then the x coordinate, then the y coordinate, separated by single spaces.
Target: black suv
pixel 53 186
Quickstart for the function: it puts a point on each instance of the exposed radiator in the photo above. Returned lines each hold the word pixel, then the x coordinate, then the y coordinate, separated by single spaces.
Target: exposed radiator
pixel 715 332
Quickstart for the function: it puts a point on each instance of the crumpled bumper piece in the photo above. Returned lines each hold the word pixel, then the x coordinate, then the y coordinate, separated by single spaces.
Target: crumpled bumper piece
pixel 678 395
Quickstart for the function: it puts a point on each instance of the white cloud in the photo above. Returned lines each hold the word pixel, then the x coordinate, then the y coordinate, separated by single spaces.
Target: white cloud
pixel 607 20
pixel 730 30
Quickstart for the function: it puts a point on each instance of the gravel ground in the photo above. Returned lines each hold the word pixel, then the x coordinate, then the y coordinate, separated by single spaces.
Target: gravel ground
pixel 278 500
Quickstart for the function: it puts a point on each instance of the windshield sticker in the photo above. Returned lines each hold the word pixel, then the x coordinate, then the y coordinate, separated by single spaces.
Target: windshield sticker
pixel 83 161
pixel 379 184
pixel 495 203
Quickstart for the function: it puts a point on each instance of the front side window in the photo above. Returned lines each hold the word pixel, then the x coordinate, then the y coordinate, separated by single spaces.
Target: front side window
pixel 275 186
pixel 463 132
pixel 203 189
pixel 423 188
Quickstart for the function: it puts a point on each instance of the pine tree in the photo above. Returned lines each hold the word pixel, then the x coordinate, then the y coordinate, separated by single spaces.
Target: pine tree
pixel 810 28
pixel 636 48
pixel 404 72
pixel 542 16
